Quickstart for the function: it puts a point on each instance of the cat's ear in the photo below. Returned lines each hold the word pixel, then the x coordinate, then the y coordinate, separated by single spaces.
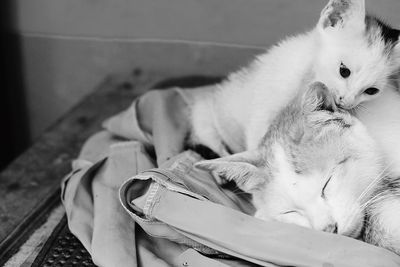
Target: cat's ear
pixel 397 45
pixel 240 168
pixel 343 14
pixel 317 97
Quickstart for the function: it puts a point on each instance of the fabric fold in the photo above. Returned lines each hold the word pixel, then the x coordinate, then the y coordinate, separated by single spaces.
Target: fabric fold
pixel 133 198
pixel 228 230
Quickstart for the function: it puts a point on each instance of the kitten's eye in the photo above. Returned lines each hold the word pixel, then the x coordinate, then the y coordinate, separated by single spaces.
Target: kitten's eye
pixel 323 189
pixel 344 71
pixel 371 91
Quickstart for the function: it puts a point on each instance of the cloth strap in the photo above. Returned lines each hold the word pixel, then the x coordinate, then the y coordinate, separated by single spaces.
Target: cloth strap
pixel 264 243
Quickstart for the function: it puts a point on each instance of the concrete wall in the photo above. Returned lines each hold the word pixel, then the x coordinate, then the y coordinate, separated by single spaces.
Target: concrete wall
pixel 59 72
pixel 69 46
pixel 66 47
pixel 250 22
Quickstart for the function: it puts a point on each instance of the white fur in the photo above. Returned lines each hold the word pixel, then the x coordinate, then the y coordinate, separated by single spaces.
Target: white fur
pixel 301 193
pixel 390 218
pixel 382 118
pixel 305 148
pixel 382 228
pixel 239 111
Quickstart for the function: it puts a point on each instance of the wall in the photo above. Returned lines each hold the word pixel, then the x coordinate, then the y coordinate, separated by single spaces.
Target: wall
pixel 66 47
pixel 250 22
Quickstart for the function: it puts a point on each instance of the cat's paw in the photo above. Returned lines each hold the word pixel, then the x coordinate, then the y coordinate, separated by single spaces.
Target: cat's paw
pixel 220 180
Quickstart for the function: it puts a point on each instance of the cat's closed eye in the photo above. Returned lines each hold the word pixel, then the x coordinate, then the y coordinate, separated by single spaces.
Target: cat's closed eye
pixel 288 212
pixel 371 91
pixel 323 189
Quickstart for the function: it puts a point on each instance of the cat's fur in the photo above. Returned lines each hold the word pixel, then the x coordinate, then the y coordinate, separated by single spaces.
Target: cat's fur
pixel 383 215
pixel 311 168
pixel 234 115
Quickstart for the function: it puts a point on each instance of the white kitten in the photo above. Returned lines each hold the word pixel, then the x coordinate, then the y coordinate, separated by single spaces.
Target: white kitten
pixel 355 55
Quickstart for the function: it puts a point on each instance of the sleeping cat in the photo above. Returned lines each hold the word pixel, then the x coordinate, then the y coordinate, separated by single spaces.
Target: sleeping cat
pixel 312 168
pixel 355 55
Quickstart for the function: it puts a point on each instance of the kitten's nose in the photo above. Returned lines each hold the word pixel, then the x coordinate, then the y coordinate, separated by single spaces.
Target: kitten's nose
pixel 331 228
pixel 340 101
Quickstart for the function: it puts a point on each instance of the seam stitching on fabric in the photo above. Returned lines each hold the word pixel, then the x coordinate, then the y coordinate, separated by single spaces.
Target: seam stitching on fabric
pixel 154 187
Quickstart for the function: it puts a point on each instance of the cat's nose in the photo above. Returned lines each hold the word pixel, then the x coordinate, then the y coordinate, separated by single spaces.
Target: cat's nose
pixel 331 228
pixel 340 102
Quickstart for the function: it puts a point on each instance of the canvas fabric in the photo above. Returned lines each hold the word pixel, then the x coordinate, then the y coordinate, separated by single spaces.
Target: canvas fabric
pixel 134 198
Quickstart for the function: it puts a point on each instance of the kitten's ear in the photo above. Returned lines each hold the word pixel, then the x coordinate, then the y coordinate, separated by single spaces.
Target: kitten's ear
pixel 240 168
pixel 317 97
pixel 343 13
pixel 397 45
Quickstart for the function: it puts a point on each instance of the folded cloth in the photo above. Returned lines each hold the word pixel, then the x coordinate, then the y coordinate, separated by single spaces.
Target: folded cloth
pixel 134 198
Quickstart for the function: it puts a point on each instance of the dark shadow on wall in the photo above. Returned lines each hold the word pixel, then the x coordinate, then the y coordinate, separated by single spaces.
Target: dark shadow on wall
pixel 14 130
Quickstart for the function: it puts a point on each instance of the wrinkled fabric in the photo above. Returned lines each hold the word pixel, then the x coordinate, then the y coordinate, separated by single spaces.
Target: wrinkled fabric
pixel 133 198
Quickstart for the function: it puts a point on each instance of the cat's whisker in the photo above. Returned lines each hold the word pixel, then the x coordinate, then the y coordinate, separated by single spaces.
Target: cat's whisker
pixel 362 108
pixel 237 191
pixel 369 188
pixel 376 198
pixel 375 181
pixel 359 203
pixel 363 205
pixel 357 108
